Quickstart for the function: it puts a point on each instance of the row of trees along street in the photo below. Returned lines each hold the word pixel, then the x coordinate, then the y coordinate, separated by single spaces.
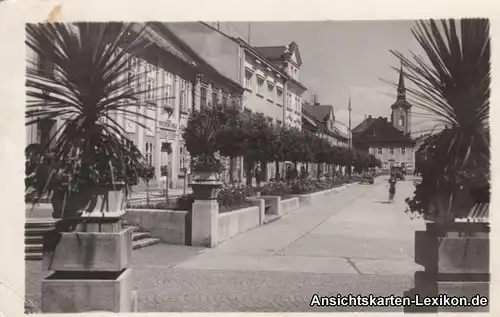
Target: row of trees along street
pixel 222 130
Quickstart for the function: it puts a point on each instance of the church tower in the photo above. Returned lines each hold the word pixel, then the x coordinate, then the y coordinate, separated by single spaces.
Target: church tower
pixel 401 109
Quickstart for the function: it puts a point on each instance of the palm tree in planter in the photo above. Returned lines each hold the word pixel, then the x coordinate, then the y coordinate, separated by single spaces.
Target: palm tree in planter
pixel 91 165
pixel 202 140
pixel 454 85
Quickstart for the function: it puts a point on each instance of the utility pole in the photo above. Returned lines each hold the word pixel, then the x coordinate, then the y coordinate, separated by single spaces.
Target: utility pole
pixel 249 32
pixel 350 133
pixel 218 26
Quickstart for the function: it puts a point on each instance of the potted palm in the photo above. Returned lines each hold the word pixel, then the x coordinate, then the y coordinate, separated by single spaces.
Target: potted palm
pixel 455 159
pixel 88 165
pixel 202 140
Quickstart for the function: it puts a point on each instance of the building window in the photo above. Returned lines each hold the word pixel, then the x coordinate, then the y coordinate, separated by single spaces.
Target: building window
pixel 248 80
pixel 235 102
pixel 131 64
pixel 182 95
pixel 169 95
pixel 270 90
pixel 224 100
pixel 149 152
pixel 401 121
pixel 182 158
pixel 403 151
pixel 150 82
pixel 279 94
pixel 203 99
pixel 380 151
pixel 289 100
pixel 214 98
pixel 260 86
pixel 151 89
pixel 391 151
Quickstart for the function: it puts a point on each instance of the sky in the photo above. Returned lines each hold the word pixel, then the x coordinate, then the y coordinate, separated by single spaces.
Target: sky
pixel 341 58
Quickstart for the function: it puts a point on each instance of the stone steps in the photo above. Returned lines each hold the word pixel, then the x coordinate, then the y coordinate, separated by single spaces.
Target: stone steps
pixel 36 228
pixel 271 218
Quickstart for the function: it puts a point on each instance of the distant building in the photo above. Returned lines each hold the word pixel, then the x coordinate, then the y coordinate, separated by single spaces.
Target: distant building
pixel 287 59
pixel 269 75
pixel 389 141
pixel 320 119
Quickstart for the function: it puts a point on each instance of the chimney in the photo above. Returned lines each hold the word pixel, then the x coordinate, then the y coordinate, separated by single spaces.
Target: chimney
pixel 369 116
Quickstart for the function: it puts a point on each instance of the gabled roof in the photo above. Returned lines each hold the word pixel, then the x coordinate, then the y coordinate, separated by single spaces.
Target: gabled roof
pixel 272 53
pixel 382 131
pixel 277 68
pixel 279 53
pixel 308 119
pixel 319 112
pixel 365 124
pixel 251 49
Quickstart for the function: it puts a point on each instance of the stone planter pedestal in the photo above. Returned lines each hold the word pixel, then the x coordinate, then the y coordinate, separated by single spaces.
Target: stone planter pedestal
pixel 205 212
pixel 456 261
pixel 92 269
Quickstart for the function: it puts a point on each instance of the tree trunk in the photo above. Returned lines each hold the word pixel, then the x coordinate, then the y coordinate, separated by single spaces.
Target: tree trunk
pixel 249 174
pixel 147 193
pixel 277 172
pixel 231 170
pixel 264 177
pixel 167 202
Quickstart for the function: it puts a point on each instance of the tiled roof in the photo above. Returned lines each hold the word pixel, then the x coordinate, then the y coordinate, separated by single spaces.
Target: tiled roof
pixel 319 112
pixel 279 53
pixel 306 116
pixel 364 125
pixel 381 131
pixel 272 52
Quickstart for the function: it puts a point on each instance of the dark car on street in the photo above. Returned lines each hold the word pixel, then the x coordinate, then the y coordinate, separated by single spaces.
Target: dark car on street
pixel 367 178
pixel 398 172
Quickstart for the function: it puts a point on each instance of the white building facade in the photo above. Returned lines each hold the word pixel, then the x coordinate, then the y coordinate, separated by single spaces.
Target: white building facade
pixel 175 79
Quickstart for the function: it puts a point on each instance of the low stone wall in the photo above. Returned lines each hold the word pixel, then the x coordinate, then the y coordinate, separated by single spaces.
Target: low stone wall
pixel 168 225
pixel 308 199
pixel 289 205
pixel 231 224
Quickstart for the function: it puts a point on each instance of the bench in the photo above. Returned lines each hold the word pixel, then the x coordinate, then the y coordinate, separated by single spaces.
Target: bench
pixel 266 208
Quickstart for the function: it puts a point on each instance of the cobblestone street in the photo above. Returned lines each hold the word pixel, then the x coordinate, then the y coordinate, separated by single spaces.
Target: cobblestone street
pixel 353 242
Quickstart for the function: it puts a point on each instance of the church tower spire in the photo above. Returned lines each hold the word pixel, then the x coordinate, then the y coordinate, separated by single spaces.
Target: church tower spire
pixel 401 109
pixel 401 84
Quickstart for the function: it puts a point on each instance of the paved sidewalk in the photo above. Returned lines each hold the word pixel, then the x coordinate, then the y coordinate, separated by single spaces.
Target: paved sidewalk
pixel 353 231
pixel 350 243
